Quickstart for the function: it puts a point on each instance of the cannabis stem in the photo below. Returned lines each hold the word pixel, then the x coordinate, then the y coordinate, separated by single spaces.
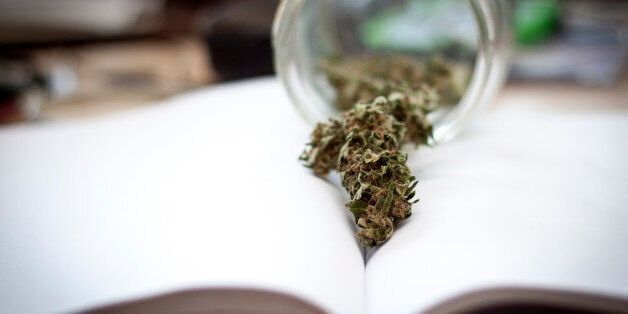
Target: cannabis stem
pixel 386 101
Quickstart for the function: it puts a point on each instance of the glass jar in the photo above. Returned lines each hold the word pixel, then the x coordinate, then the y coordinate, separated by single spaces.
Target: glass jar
pixel 474 33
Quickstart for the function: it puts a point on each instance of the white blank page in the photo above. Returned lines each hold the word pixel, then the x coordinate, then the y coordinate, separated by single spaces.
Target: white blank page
pixel 204 190
pixel 533 194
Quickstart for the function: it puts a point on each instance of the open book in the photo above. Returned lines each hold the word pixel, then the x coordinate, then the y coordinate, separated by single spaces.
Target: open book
pixel 200 204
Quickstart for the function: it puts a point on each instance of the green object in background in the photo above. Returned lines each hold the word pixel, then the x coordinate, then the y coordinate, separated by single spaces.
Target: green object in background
pixel 536 20
pixel 423 26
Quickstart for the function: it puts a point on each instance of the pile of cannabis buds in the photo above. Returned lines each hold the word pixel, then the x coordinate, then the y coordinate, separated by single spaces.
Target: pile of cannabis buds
pixel 385 102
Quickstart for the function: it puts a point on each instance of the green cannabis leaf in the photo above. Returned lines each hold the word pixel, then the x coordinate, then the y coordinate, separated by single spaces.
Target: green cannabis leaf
pixel 386 101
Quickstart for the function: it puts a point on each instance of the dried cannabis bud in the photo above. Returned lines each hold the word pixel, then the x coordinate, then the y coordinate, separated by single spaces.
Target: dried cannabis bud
pixel 386 101
pixel 364 78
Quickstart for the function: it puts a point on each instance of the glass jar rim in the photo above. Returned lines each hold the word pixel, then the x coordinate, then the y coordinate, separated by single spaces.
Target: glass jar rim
pixel 492 22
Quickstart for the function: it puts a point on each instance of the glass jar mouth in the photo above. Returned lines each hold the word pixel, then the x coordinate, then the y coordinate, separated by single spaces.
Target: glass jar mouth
pixel 493 29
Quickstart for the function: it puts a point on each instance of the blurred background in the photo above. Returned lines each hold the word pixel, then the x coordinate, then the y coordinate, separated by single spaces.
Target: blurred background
pixel 73 58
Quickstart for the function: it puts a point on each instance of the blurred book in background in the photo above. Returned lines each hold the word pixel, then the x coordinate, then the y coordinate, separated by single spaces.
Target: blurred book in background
pixel 55 81
pixel 65 58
